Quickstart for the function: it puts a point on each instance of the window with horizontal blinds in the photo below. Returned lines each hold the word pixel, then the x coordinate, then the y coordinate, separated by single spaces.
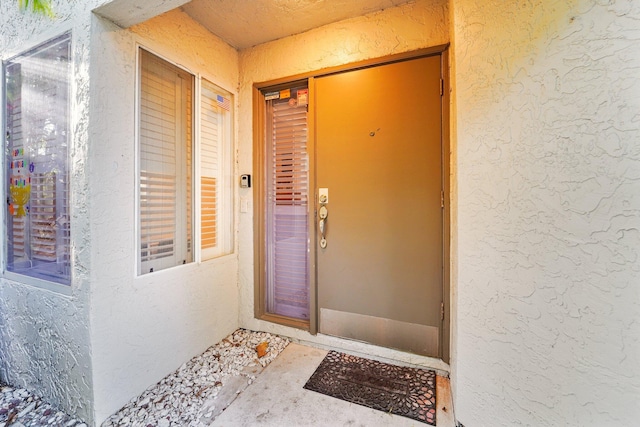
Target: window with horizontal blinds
pixel 165 181
pixel 215 170
pixel 37 175
pixel 287 173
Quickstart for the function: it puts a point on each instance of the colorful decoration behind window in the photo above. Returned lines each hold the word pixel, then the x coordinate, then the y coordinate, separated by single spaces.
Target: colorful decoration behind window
pixel 20 196
pixel 19 184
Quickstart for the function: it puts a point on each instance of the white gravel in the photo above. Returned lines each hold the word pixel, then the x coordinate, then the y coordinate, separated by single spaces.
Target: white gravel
pixel 20 408
pixel 177 400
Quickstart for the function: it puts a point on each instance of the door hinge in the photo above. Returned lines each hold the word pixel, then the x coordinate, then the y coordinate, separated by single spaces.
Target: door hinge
pixel 442 310
pixel 442 199
pixel 441 87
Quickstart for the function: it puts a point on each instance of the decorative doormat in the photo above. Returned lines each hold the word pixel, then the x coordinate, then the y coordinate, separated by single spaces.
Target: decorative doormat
pixel 399 390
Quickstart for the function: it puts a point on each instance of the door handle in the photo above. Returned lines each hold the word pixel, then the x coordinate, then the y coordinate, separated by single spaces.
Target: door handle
pixel 323 213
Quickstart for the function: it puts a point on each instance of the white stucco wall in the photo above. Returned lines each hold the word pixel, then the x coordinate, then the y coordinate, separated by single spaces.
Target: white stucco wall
pixel 547 95
pixel 143 328
pixel 44 334
pixel 411 26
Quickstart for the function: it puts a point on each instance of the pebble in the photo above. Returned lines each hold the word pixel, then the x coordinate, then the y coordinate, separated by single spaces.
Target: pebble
pixel 21 408
pixel 177 400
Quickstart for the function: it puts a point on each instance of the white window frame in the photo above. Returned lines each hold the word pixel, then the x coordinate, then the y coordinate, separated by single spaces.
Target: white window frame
pixel 226 218
pixel 40 40
pixel 182 208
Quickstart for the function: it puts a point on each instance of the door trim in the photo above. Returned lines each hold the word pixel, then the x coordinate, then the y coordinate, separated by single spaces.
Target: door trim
pixel 404 56
pixel 259 221
pixel 259 187
pixel 445 338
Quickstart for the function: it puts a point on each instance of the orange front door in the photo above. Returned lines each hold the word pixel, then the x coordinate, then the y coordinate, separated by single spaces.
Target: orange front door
pixel 379 159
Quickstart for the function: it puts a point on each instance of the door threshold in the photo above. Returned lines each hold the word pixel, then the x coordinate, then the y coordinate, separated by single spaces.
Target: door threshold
pixel 374 352
pixel 352 346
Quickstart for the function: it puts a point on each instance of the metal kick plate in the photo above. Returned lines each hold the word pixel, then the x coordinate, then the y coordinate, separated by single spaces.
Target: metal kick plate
pixel 411 337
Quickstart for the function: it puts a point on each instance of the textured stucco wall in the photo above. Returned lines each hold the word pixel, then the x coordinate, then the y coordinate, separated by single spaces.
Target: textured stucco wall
pixel 145 327
pixel 411 26
pixel 44 335
pixel 126 13
pixel 547 95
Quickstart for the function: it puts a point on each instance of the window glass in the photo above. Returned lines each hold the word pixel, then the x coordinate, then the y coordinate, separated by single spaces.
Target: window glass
pixel 216 114
pixel 36 159
pixel 287 203
pixel 169 205
pixel 166 146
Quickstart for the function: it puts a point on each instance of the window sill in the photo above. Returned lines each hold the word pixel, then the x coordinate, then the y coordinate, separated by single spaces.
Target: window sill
pixel 21 279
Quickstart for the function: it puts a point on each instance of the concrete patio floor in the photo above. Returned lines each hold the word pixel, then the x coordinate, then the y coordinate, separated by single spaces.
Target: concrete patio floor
pixel 277 398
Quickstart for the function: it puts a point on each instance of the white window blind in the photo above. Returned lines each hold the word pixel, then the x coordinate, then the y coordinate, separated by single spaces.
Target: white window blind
pixel 215 170
pixel 287 208
pixel 43 216
pixel 37 124
pixel 166 109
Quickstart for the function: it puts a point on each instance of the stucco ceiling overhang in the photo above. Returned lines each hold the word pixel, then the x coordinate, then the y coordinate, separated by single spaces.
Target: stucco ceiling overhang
pixel 246 23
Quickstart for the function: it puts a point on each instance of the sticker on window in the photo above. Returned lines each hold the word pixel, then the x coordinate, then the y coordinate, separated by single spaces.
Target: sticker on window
pixel 303 97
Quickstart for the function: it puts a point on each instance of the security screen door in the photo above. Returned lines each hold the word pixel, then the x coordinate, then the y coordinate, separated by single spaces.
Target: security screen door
pixel 380 204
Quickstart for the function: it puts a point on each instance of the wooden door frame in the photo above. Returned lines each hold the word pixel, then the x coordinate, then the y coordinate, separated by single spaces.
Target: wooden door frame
pixel 259 188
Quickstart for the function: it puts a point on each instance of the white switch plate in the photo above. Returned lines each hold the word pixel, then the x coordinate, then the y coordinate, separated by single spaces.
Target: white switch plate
pixel 244 205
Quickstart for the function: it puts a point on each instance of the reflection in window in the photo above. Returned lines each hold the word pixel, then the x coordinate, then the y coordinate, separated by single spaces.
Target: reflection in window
pixel 36 159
